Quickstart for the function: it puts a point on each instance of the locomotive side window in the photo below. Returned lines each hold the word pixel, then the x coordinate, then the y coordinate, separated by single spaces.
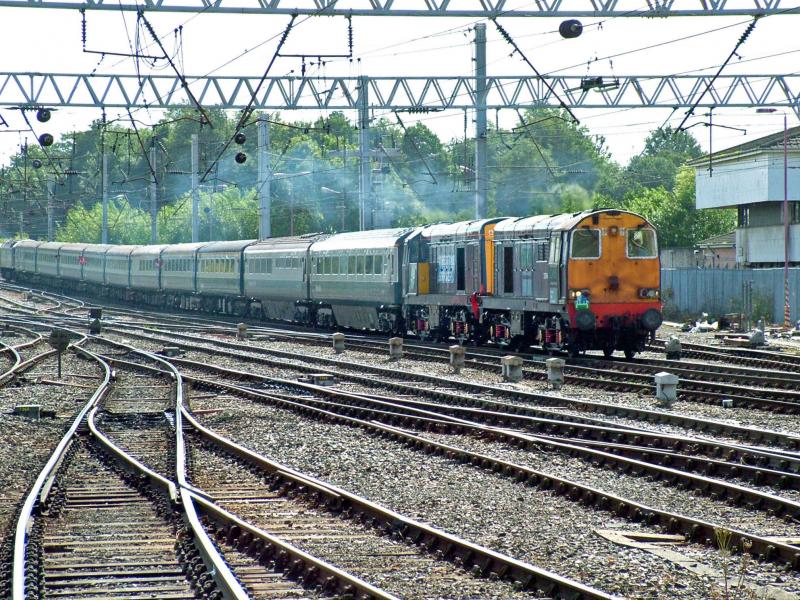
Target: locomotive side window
pixel 585 243
pixel 541 252
pixel 461 270
pixel 508 270
pixel 641 243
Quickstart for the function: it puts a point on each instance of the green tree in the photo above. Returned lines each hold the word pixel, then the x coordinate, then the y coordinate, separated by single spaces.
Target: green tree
pixel 126 225
pixel 665 151
pixel 673 212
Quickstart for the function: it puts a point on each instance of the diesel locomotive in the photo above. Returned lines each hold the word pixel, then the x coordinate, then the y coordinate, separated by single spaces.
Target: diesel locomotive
pixel 575 282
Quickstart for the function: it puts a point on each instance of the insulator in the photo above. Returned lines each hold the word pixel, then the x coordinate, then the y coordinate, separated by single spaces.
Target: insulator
pixel 571 28
pixel 46 140
pixel 240 138
pixel 240 158
pixel 43 115
pixel 37 164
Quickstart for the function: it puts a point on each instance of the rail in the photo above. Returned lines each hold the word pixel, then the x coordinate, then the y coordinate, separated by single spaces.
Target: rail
pixel 40 488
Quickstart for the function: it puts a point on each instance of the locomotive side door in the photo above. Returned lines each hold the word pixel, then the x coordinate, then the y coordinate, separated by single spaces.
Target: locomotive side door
pixel 554 269
pixel 540 288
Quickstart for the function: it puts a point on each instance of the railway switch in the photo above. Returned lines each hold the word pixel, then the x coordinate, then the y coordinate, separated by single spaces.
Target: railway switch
pixel 512 368
pixel 666 387
pixel 555 372
pixel 456 358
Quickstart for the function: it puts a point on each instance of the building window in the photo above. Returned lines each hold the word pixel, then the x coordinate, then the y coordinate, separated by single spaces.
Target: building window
pixel 744 217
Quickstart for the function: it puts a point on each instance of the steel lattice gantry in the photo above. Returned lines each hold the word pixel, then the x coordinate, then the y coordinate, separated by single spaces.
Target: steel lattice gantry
pixel 395 93
pixel 440 8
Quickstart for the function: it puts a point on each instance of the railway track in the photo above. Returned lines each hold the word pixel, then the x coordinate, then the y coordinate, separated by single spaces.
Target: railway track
pixel 100 537
pixel 505 567
pixel 450 413
pixel 364 412
pixel 438 388
pixel 379 423
pixel 746 387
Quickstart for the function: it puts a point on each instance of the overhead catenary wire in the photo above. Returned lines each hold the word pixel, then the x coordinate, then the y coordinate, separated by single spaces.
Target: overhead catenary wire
pixel 741 41
pixel 248 110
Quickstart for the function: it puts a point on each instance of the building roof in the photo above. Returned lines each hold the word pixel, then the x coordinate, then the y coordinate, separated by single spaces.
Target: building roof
pixel 769 143
pixel 726 240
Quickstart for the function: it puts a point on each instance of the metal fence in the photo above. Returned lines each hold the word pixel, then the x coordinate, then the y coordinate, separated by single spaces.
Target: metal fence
pixel 755 292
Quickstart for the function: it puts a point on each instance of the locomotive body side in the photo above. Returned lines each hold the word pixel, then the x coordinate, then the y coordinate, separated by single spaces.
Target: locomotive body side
pixel 447 267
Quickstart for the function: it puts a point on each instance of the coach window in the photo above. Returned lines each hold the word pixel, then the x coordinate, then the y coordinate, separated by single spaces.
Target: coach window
pixel 378 265
pixel 641 243
pixel 351 268
pixel 585 243
pixel 360 264
pixel 370 261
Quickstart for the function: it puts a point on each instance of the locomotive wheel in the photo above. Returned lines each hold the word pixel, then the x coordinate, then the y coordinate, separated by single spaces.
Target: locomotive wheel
pixel 608 351
pixel 629 353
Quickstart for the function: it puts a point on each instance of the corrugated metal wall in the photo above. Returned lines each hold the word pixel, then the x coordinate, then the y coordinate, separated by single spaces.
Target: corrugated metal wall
pixel 720 291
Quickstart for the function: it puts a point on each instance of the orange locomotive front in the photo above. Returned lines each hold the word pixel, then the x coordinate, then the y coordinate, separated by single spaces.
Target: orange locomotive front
pixel 613 279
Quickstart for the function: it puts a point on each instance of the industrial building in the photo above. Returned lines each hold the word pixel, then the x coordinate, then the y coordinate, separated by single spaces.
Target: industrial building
pixel 755 178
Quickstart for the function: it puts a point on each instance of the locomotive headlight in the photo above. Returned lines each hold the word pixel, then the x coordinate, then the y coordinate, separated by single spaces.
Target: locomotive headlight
pixel 649 293
pixel 577 293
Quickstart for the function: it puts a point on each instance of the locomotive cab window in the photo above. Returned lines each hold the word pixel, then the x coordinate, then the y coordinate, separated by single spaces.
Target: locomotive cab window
pixel 585 243
pixel 641 243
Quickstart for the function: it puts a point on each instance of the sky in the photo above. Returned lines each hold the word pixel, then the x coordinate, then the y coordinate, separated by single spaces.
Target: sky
pixel 47 40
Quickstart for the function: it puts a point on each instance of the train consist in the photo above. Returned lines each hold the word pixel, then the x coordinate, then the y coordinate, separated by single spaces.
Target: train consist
pixel 575 282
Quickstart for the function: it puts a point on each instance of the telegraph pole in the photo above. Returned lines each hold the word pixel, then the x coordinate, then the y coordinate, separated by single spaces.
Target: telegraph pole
pixel 153 194
pixel 51 187
pixel 195 191
pixel 104 182
pixel 104 239
pixel 264 177
pixel 364 163
pixel 481 168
